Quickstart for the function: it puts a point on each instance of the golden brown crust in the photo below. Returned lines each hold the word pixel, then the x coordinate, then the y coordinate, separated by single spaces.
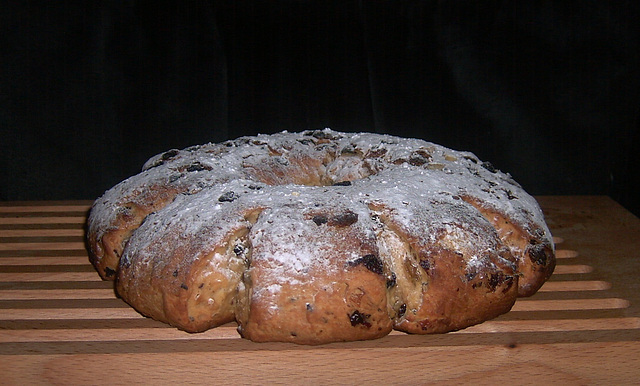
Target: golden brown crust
pixel 319 237
pixel 442 283
pixel 341 299
pixel 105 249
pixel 192 285
pixel 534 254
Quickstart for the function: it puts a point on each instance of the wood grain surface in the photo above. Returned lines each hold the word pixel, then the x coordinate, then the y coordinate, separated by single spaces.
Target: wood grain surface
pixel 60 324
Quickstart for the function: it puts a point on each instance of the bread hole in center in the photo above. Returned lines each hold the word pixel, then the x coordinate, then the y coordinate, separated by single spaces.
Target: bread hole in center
pixel 297 169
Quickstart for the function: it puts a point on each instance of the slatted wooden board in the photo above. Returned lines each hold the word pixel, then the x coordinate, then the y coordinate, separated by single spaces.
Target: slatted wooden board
pixel 59 323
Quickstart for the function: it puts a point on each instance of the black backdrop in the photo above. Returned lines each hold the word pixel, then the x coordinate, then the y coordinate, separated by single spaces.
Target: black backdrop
pixel 548 91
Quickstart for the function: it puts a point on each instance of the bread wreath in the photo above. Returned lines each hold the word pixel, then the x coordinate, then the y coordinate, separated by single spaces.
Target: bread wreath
pixel 320 236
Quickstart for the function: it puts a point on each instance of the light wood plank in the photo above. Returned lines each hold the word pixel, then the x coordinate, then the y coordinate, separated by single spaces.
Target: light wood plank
pixel 44 208
pixel 560 363
pixel 40 232
pixel 494 326
pixel 129 334
pixel 566 254
pixel 41 246
pixel 44 260
pixel 42 220
pixel 55 294
pixel 571 304
pixel 68 313
pixel 583 285
pixel 564 269
pixel 48 276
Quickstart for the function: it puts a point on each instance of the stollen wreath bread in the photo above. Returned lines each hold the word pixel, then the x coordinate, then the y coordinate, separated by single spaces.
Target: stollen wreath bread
pixel 320 236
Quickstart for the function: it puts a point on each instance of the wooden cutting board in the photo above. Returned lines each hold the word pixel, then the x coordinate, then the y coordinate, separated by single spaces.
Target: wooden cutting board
pixel 60 324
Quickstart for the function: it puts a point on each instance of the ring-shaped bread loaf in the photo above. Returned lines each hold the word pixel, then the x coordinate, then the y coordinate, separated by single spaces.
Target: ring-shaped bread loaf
pixel 320 236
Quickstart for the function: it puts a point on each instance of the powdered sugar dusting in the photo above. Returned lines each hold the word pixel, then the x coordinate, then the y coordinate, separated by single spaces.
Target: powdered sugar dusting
pixel 286 180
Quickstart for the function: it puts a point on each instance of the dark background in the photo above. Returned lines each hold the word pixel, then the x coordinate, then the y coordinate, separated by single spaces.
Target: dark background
pixel 548 91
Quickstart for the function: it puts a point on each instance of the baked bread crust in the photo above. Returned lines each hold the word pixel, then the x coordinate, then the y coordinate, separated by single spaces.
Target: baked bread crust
pixel 320 236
